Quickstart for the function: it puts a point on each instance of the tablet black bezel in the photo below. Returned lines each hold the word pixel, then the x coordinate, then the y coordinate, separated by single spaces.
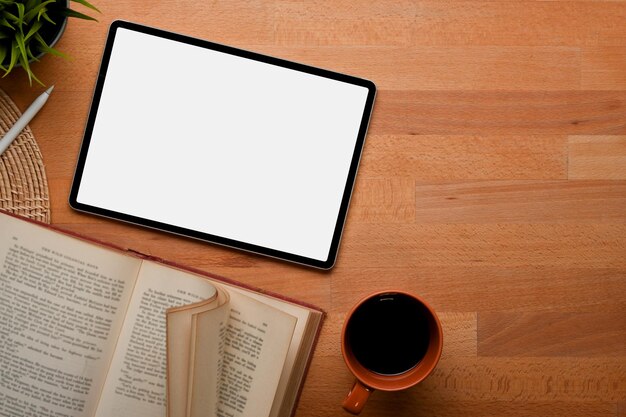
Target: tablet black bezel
pixel 356 156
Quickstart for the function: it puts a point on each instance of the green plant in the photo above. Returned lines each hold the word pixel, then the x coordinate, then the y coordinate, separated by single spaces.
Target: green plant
pixel 24 25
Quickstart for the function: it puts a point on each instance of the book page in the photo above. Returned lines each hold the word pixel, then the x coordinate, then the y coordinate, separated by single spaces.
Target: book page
pixel 136 382
pixel 257 339
pixel 62 303
pixel 181 325
pixel 206 357
pixel 299 334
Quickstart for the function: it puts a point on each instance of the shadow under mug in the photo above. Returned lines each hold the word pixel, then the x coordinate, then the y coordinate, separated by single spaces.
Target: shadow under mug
pixel 368 380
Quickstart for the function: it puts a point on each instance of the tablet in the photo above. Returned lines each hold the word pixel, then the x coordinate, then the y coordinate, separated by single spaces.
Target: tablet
pixel 222 144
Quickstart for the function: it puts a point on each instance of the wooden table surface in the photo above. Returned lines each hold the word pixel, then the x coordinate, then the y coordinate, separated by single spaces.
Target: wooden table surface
pixel 492 183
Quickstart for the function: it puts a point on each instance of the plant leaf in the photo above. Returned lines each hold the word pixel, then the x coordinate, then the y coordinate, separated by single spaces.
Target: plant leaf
pixel 21 44
pixel 43 47
pixel 13 60
pixel 87 4
pixel 31 76
pixel 41 40
pixel 20 14
pixel 23 57
pixel 11 16
pixel 33 29
pixel 36 10
pixel 55 52
pixel 31 3
pixel 46 17
pixel 3 54
pixel 30 54
pixel 74 13
pixel 5 22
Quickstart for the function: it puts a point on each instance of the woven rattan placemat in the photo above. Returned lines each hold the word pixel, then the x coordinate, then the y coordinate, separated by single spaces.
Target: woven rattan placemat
pixel 23 183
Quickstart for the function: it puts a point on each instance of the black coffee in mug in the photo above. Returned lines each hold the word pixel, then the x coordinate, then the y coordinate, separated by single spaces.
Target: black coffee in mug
pixel 389 333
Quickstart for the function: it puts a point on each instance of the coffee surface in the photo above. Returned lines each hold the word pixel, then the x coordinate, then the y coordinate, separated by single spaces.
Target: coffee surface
pixel 389 333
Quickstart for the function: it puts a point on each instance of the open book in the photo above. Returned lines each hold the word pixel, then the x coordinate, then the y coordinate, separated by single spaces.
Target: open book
pixel 84 332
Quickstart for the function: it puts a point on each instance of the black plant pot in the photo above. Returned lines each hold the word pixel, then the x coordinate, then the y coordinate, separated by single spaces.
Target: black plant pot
pixel 52 33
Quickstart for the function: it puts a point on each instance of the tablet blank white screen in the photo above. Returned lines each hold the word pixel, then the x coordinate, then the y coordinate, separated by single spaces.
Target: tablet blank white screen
pixel 222 144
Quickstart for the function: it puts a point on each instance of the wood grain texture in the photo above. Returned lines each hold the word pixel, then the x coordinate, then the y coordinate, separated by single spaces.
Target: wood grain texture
pixel 384 200
pixel 492 183
pixel 451 67
pixel 390 405
pixel 521 202
pixel 519 380
pixel 484 23
pixel 474 112
pixel 508 245
pixel 552 334
pixel 601 68
pixel 546 288
pixel 597 157
pixel 431 157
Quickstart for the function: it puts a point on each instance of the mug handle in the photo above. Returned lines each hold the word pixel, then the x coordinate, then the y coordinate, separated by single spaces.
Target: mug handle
pixel 358 395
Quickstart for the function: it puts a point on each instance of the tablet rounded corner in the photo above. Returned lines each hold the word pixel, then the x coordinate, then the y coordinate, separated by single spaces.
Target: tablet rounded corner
pixel 329 263
pixel 73 202
pixel 371 86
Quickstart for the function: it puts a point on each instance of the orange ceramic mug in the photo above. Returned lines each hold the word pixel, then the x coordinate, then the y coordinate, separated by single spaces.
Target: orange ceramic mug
pixel 391 340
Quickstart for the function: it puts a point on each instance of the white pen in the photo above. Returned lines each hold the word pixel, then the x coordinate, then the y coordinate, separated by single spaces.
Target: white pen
pixel 21 123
